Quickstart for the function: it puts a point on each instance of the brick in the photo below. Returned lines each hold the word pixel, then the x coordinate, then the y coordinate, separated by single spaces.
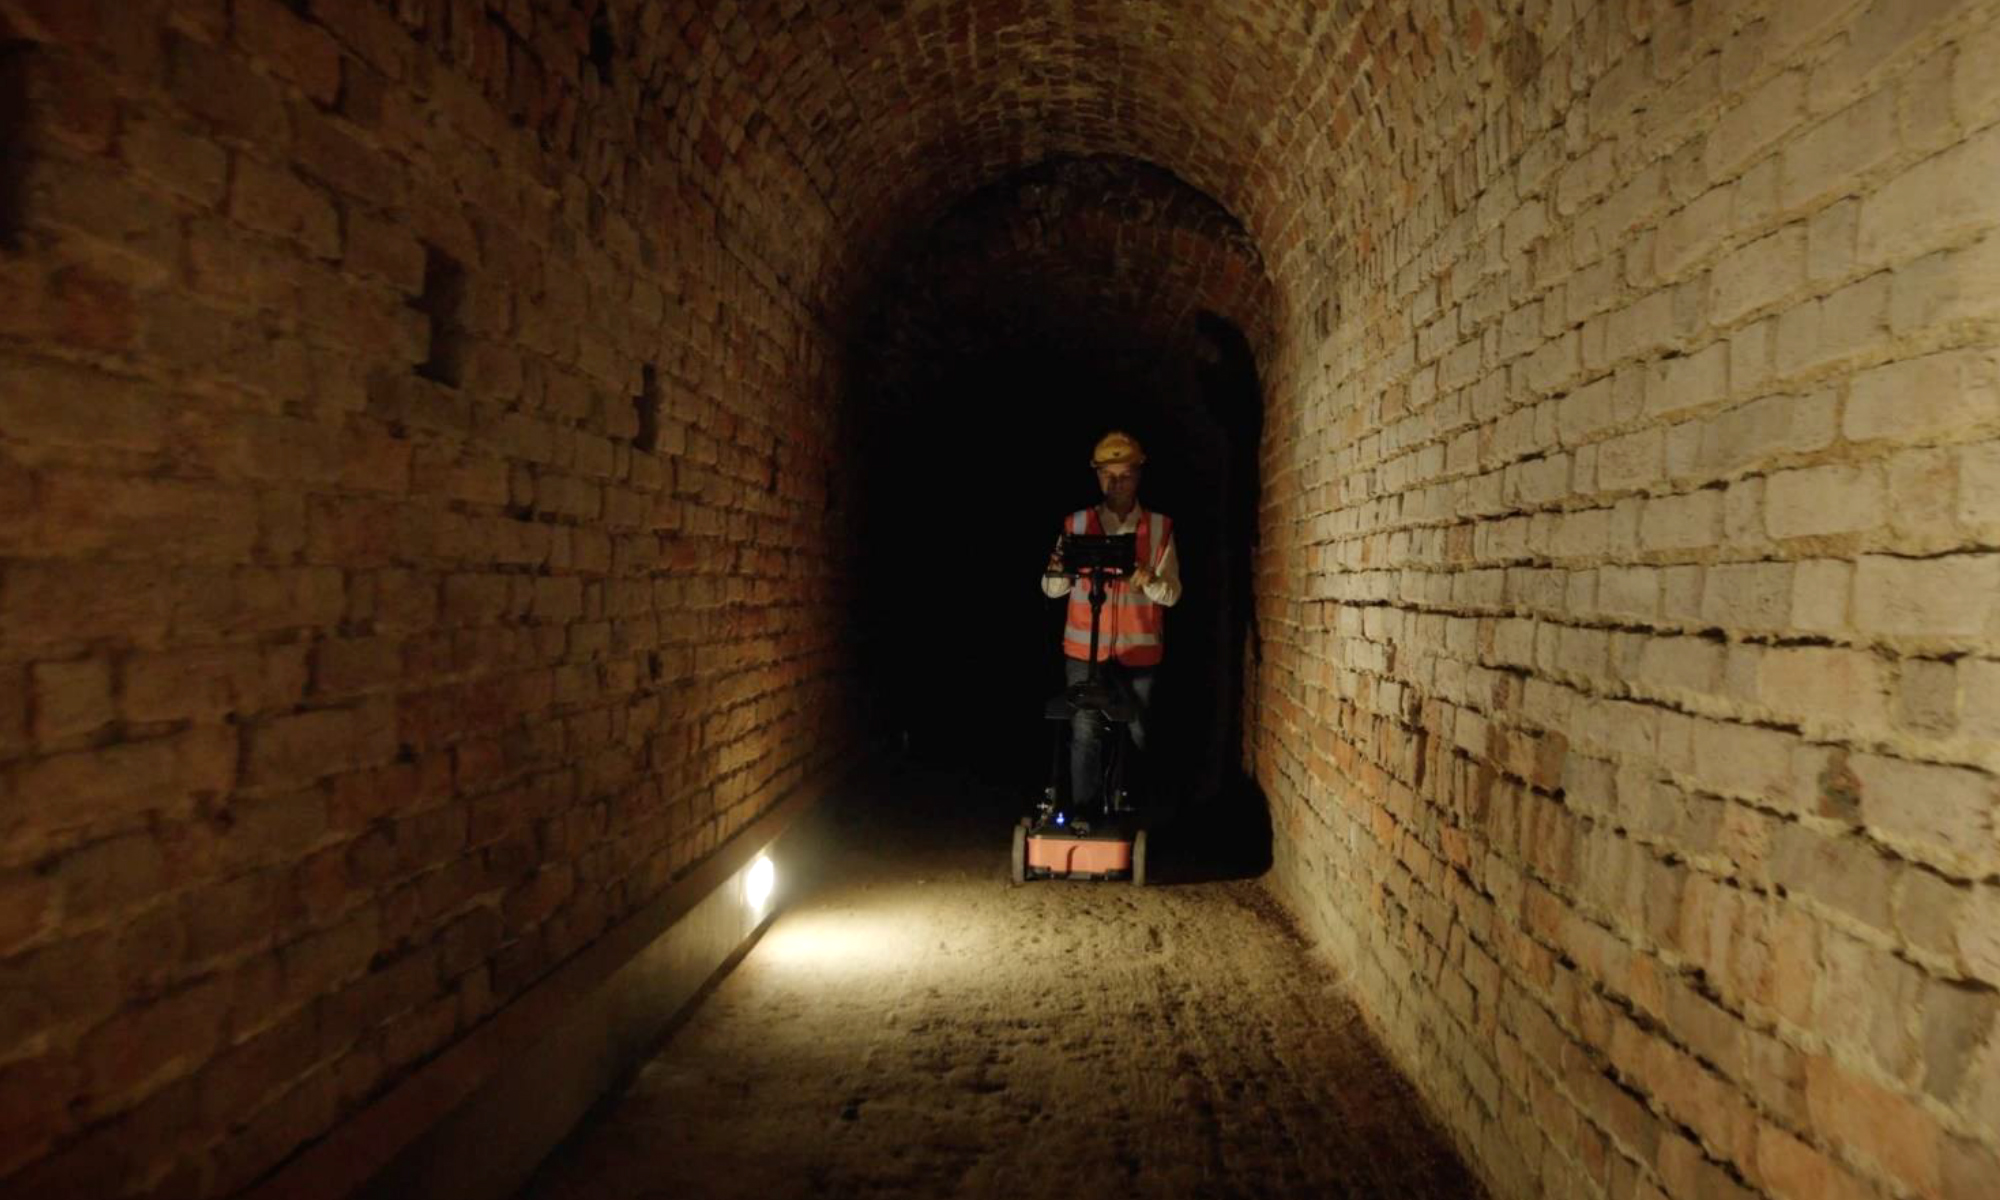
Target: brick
pixel 1824 500
pixel 1937 394
pixel 381 250
pixel 231 264
pixel 226 92
pixel 29 1124
pixel 158 1041
pixel 309 746
pixel 1750 356
pixel 1680 384
pixel 1851 324
pixel 1927 697
pixel 1634 461
pixel 1681 664
pixel 184 162
pixel 1825 683
pixel 279 203
pixel 1881 33
pixel 388 990
pixel 1767 428
pixel 1975 80
pixel 71 699
pixel 1645 326
pixel 113 518
pixel 1922 487
pixel 27 908
pixel 1970 1170
pixel 1755 596
pixel 1691 234
pixel 371 32
pixel 111 876
pixel 1742 760
pixel 349 666
pixel 1830 236
pixel 211 683
pixel 1846 875
pixel 1763 117
pixel 1980 681
pixel 1835 155
pixel 1932 204
pixel 1977 934
pixel 275 829
pixel 269 1136
pixel 334 153
pixel 1875 1124
pixel 47 605
pixel 247 1075
pixel 1957 1022
pixel 1798 24
pixel 74 406
pixel 223 920
pixel 117 785
pixel 1755 205
pixel 75 22
pixel 1939 812
pixel 1685 522
pixel 136 232
pixel 1944 289
pixel 1947 597
pixel 1793 1170
pixel 320 963
pixel 1758 275
pixel 1977 471
pixel 289 46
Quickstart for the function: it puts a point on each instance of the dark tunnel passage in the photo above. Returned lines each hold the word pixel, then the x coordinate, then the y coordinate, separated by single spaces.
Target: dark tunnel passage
pixel 1037 314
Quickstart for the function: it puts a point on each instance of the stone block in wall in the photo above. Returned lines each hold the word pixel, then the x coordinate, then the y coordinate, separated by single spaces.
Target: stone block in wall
pixel 1945 599
pixel 1934 203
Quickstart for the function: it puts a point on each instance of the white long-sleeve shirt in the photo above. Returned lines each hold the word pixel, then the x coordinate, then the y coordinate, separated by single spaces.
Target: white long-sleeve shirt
pixel 1164 588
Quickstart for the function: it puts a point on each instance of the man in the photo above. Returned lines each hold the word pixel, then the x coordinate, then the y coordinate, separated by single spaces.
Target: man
pixel 1130 637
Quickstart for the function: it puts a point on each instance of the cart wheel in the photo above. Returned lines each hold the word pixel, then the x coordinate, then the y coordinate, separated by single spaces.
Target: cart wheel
pixel 1139 859
pixel 1018 862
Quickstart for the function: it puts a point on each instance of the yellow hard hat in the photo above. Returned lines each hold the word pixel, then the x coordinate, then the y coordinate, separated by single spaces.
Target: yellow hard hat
pixel 1117 448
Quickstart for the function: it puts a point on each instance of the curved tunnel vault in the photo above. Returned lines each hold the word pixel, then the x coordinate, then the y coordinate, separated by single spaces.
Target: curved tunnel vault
pixel 444 445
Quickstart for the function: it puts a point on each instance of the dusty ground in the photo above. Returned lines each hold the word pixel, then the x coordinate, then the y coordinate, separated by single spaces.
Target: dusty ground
pixel 913 1026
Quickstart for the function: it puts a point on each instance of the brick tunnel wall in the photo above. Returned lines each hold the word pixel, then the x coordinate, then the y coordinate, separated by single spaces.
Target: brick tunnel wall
pixel 411 505
pixel 1629 706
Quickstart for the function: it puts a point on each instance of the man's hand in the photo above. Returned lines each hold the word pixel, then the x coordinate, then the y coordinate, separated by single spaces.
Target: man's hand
pixel 1140 577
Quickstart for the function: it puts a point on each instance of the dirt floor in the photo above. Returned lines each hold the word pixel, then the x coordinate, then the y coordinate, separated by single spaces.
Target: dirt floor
pixel 914 1026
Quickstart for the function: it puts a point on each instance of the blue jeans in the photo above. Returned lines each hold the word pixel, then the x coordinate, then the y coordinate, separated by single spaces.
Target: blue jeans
pixel 1086 730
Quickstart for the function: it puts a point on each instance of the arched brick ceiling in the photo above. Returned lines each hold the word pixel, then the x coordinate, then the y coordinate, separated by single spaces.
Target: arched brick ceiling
pixel 825 130
pixel 1092 256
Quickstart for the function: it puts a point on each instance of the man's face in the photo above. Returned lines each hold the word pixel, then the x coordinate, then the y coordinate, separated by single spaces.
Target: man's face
pixel 1120 483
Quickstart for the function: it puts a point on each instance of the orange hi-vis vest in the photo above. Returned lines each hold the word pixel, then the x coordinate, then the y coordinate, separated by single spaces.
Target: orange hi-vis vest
pixel 1130 628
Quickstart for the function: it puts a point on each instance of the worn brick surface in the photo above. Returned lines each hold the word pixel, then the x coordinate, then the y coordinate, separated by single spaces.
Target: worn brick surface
pixel 1686 501
pixel 340 701
pixel 1626 672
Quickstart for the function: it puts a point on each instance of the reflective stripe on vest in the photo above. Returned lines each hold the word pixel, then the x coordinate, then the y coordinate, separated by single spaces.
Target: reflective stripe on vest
pixel 1131 626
